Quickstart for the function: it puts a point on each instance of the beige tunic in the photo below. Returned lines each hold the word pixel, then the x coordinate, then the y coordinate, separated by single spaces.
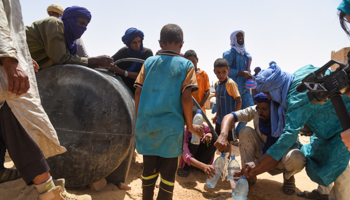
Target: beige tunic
pixel 27 107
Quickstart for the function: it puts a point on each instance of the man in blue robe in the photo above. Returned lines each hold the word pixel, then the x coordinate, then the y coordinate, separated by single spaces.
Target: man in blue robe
pixel 239 61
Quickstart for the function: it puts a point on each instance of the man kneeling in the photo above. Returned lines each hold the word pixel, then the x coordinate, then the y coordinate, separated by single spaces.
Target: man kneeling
pixel 253 144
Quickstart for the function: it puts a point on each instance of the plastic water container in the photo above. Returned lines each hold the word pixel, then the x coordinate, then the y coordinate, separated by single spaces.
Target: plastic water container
pixel 233 167
pixel 242 188
pixel 218 165
pixel 197 120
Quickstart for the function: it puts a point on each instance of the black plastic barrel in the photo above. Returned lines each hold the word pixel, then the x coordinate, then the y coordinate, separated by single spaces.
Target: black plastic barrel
pixel 94 116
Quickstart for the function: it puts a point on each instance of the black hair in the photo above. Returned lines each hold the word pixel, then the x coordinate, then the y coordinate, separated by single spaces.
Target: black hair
pixel 220 62
pixel 190 53
pixel 171 33
pixel 343 22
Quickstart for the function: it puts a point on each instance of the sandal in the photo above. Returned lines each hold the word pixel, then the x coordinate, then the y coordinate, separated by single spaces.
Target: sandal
pixel 8 175
pixel 288 185
pixel 314 194
pixel 182 172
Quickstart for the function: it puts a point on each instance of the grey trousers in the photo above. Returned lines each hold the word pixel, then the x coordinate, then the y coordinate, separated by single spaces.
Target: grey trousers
pixel 24 152
pixel 251 144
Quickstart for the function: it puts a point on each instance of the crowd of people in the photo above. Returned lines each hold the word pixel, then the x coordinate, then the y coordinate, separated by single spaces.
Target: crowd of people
pixel 164 125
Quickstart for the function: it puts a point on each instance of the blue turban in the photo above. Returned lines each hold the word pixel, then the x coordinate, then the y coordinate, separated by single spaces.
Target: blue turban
pixel 345 7
pixel 261 97
pixel 73 31
pixel 272 62
pixel 128 37
pixel 277 83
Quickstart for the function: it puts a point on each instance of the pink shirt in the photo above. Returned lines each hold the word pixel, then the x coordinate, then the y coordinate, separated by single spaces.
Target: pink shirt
pixel 186 155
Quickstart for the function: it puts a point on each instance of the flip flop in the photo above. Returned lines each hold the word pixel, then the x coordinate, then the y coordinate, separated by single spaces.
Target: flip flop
pixel 182 172
pixel 288 185
pixel 8 175
pixel 314 194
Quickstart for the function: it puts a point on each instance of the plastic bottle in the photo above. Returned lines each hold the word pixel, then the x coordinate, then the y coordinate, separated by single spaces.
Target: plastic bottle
pixel 218 165
pixel 241 191
pixel 233 167
pixel 197 120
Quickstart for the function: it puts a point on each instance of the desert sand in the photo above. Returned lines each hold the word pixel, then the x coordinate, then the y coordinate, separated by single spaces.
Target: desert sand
pixel 267 187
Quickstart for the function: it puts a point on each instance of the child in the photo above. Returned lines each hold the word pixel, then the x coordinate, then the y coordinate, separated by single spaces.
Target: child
pixel 200 156
pixel 202 94
pixel 162 101
pixel 228 98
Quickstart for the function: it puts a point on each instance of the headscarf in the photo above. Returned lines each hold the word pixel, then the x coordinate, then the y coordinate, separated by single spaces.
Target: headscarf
pixel 272 62
pixel 261 97
pixel 72 30
pixel 55 8
pixel 345 7
pixel 239 48
pixel 277 83
pixel 128 37
pixel 257 70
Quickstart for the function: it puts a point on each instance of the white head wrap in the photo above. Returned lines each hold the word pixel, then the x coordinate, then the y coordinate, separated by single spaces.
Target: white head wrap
pixel 239 48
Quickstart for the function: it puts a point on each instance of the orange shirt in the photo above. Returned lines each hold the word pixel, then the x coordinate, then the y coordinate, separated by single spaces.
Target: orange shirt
pixel 203 86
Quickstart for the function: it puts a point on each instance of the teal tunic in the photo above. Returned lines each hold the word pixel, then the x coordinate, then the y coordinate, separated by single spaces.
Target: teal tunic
pixel 160 120
pixel 326 155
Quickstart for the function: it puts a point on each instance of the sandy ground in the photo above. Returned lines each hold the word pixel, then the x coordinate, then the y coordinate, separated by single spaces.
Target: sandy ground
pixel 193 187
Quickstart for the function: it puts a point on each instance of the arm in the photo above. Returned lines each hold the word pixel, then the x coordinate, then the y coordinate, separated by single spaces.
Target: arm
pixel 229 56
pixel 100 61
pixel 345 136
pixel 187 105
pixel 137 98
pixel 208 169
pixel 238 103
pixel 138 85
pixel 205 98
pixel 121 72
pixel 17 78
pixel 245 74
pixel 252 169
pixel 228 123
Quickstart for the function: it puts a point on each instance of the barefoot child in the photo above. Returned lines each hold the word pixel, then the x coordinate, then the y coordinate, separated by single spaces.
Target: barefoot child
pixel 163 103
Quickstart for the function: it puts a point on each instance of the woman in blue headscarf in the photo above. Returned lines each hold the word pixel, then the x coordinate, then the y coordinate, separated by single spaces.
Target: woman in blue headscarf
pixel 51 41
pixel 128 71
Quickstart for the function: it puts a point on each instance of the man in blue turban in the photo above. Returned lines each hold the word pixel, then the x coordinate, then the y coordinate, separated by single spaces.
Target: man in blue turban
pixel 128 71
pixel 239 61
pixel 254 142
pixel 51 41
pixel 327 157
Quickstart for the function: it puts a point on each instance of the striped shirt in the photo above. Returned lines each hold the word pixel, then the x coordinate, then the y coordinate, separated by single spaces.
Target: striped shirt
pixel 226 92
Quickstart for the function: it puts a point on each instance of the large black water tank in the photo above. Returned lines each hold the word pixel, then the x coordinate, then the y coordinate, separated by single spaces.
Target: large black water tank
pixel 94 116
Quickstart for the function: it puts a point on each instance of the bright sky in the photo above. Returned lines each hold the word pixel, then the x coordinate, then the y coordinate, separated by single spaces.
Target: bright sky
pixel 293 33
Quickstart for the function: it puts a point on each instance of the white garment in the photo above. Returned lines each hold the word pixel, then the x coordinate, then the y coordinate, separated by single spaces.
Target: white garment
pixel 234 44
pixel 27 107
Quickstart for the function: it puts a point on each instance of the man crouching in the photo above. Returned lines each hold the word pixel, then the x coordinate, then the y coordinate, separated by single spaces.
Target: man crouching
pixel 253 144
